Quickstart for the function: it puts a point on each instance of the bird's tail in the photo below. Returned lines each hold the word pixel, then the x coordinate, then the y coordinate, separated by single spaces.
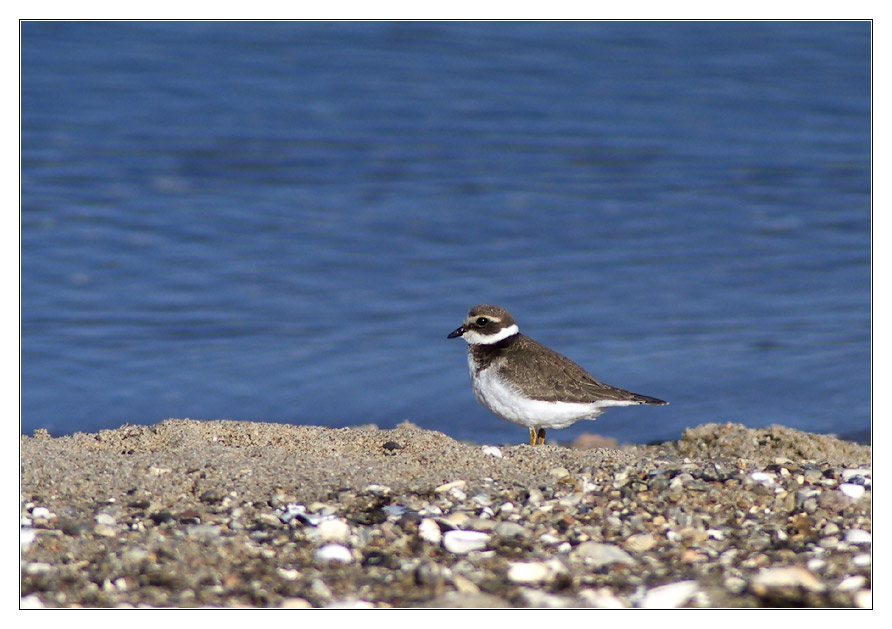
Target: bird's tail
pixel 646 399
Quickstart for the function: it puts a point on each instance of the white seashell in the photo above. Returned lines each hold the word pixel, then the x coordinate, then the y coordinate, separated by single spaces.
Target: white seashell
pixel 855 582
pixel 602 598
pixel 852 491
pixel 669 596
pixel 350 604
pixel 104 518
pixel 861 560
pixel 858 536
pixel 429 531
pixel 787 576
pixel 41 512
pixel 533 572
pixel 334 530
pixel 26 538
pixel 463 542
pixel 289 574
pixel 864 599
pixel 333 552
pixel 448 486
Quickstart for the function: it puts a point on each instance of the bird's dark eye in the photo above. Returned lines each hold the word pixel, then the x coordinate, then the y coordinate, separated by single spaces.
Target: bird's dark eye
pixel 482 321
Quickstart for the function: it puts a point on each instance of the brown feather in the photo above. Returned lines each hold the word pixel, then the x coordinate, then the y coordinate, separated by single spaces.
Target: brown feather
pixel 548 375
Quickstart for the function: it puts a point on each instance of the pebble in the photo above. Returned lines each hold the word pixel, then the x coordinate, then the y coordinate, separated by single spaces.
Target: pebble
pixel 861 560
pixel 508 530
pixel 852 583
pixel 429 531
pixel 32 601
pixel 640 543
pixel 464 584
pixel 864 599
pixel 859 476
pixel 333 552
pixel 596 554
pixel 26 537
pixel 669 596
pixel 463 542
pixel 350 604
pixel 852 491
pixel 452 485
pixel 787 576
pixel 334 530
pixel 320 590
pixel 735 585
pixel 468 600
pixel 212 496
pixel 538 598
pixel 134 555
pixel 104 530
pixel 747 526
pixel 36 567
pixel 601 598
pixel 395 512
pixel 203 532
pixel 492 451
pixel 455 520
pixel 858 536
pixel 816 564
pixel 41 513
pixel 289 574
pixel 430 574
pixel 104 518
pixel 288 512
pixel 532 572
pixel 536 497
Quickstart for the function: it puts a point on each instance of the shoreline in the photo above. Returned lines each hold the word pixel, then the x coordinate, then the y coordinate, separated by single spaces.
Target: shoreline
pixel 218 513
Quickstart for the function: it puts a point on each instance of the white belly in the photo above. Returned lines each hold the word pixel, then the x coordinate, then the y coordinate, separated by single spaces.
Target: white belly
pixel 506 402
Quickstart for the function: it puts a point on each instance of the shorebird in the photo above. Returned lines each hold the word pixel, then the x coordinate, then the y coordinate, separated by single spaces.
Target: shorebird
pixel 528 384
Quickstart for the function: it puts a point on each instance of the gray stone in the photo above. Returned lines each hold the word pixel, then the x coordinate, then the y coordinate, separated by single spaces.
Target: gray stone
pixel 596 554
pixel 508 530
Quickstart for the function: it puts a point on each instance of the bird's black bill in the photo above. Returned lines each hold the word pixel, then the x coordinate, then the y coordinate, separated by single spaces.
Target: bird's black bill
pixel 456 332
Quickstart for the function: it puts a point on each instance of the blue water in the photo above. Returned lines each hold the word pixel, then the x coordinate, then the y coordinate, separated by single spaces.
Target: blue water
pixel 282 221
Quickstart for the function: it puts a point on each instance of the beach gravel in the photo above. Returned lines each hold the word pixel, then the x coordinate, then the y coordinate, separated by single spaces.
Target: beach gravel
pixel 224 513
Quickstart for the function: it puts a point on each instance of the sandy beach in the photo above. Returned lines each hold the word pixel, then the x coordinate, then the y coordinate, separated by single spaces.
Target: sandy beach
pixel 223 513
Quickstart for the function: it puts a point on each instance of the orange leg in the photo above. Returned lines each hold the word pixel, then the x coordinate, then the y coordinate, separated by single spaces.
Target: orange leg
pixel 541 440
